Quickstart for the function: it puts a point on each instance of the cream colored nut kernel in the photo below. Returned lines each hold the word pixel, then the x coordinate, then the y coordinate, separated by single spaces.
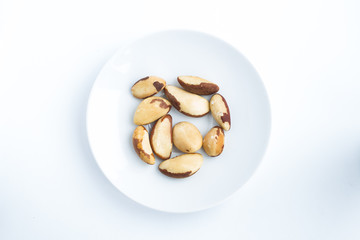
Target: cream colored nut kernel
pixel 182 166
pixel 213 143
pixel 147 86
pixel 142 146
pixel 187 103
pixel 151 109
pixel 197 85
pixel 187 138
pixel 220 111
pixel 161 137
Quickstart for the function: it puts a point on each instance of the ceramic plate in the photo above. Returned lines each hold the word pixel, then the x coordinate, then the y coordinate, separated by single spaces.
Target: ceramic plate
pixel 169 54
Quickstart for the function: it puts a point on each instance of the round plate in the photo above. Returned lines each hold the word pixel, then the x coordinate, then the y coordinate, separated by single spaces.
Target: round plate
pixel 169 54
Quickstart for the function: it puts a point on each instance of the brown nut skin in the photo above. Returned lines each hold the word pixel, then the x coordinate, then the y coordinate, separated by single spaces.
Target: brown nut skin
pixel 182 166
pixel 151 109
pixel 187 103
pixel 147 87
pixel 186 137
pixel 220 111
pixel 161 137
pixel 197 85
pixel 142 146
pixel 213 143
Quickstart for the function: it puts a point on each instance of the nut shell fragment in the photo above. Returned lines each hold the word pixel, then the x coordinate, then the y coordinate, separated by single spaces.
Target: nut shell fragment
pixel 161 137
pixel 187 103
pixel 187 138
pixel 151 109
pixel 147 86
pixel 213 143
pixel 182 166
pixel 220 111
pixel 197 85
pixel 142 146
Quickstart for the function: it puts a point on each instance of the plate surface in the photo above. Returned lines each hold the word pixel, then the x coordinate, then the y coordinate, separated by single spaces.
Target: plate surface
pixel 169 54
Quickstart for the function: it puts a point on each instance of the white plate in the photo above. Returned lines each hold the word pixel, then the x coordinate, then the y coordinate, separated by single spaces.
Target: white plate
pixel 169 54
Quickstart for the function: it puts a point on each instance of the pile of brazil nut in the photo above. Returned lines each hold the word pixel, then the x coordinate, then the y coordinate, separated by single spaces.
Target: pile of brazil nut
pixel 184 135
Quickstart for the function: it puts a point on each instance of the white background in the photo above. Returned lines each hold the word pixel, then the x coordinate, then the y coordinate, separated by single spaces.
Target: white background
pixel 308 54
